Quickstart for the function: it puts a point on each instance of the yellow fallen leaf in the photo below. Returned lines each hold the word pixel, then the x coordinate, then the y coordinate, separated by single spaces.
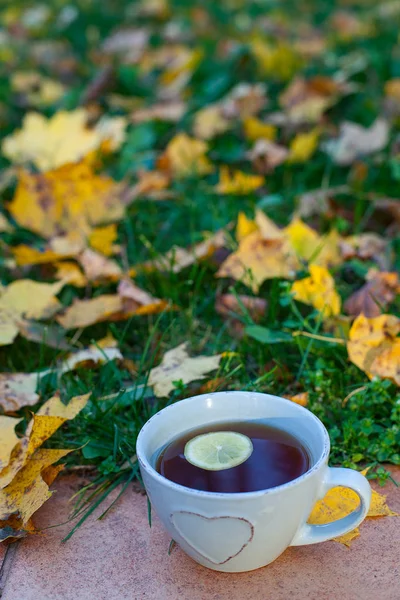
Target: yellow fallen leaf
pixel 392 88
pixel 151 184
pixel 102 239
pixel 38 90
pixel 69 199
pixel 18 389
pixel 244 226
pixel 8 438
pixel 40 428
pixel 258 259
pixel 83 313
pixel 70 273
pixel 177 365
pixel 303 146
pixel 237 182
pixel 339 502
pixel 318 290
pixel 279 61
pixel 187 156
pixel 58 248
pixel 27 491
pixel 254 129
pixel 269 231
pixel 26 299
pixel 374 347
pixel 209 122
pixel 55 408
pixel 310 246
pixel 301 398
pixel 61 139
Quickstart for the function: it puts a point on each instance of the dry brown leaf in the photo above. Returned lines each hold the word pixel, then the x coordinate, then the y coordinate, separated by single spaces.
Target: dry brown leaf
pixel 318 290
pixel 307 100
pixel 316 202
pixel 135 299
pixel 18 389
pixel 374 296
pixel 266 156
pixel 69 199
pixel 88 358
pixel 151 184
pixel 366 246
pixel 177 365
pixel 374 347
pixel 355 141
pixel 234 308
pixel 245 100
pixel 99 268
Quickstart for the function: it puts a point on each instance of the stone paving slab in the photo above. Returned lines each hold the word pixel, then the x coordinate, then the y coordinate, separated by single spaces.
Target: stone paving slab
pixel 122 558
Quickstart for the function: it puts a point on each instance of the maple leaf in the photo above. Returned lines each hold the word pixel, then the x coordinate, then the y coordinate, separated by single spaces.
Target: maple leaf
pixel 318 290
pixel 177 365
pixel 309 245
pixel 187 156
pixel 238 182
pixel 374 347
pixel 64 138
pixel 244 226
pixel 102 239
pixel 69 199
pixel 258 259
pixel 8 438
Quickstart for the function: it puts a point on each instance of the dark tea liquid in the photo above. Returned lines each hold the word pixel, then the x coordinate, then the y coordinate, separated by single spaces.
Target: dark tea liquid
pixel 277 458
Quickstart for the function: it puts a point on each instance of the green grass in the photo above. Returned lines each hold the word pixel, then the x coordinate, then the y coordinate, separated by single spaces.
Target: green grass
pixel 364 430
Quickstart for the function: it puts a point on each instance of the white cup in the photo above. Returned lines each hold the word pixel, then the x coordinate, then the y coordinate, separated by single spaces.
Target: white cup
pixel 244 531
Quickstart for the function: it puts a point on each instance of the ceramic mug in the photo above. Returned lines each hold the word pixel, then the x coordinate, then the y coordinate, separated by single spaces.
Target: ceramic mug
pixel 236 532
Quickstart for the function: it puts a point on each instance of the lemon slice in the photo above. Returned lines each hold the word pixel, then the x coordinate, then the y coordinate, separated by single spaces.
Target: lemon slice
pixel 218 450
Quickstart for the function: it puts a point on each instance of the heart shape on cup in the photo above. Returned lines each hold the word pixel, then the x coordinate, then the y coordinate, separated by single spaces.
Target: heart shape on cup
pixel 218 539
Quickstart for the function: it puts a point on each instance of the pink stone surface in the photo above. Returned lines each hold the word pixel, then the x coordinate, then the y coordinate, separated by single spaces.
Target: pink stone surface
pixel 122 558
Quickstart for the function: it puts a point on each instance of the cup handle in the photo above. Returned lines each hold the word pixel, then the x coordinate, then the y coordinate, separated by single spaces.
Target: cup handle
pixel 312 534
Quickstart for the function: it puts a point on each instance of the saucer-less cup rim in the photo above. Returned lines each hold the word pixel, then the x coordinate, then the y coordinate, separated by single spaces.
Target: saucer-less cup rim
pixel 145 463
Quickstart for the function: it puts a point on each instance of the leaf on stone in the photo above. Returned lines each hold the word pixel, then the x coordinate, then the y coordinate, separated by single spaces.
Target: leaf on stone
pixel 177 365
pixel 374 296
pixel 318 290
pixel 374 347
pixel 71 198
pixel 355 141
pixel 237 182
pixel 339 502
